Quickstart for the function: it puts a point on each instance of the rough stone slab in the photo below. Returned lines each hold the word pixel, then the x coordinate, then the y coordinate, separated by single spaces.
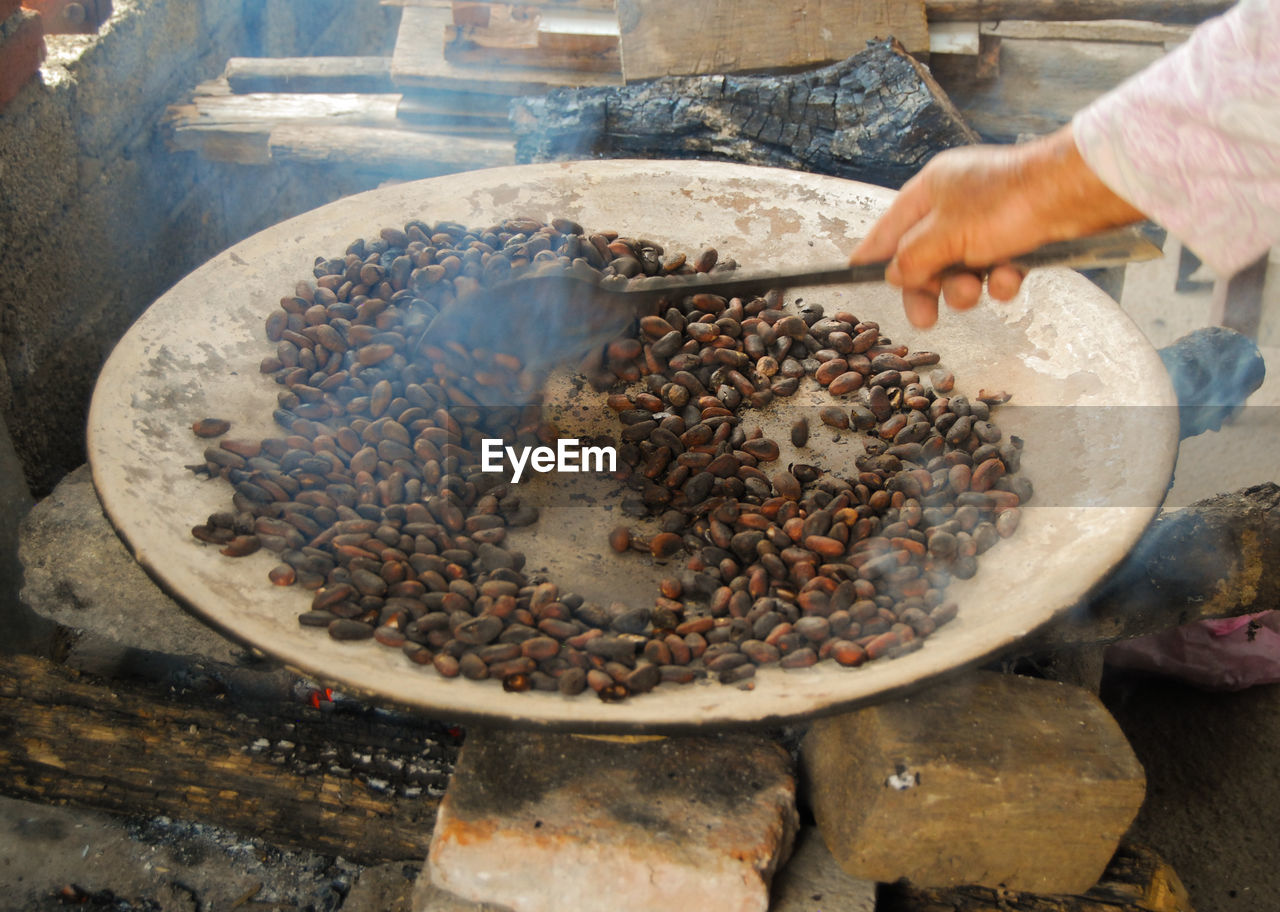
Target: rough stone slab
pixel 990 779
pixel 78 573
pixel 558 823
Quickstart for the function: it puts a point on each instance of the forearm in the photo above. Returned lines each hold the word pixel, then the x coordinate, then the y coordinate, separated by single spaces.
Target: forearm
pixel 1067 197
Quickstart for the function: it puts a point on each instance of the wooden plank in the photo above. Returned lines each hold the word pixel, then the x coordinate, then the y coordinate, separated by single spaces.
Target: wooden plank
pixel 736 36
pixel 245 75
pixel 407 152
pixel 1041 83
pixel 358 784
pixel 1123 30
pixel 237 144
pixel 419 62
pixel 584 52
pixel 1169 12
pixel 274 107
pixel 479 106
pixel 366 131
pixel 1041 768
pixel 1237 301
pixel 522 20
pixel 555 5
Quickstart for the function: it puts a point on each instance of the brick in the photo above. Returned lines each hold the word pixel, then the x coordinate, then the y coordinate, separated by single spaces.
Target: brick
pixel 994 780
pixel 558 823
pixel 21 52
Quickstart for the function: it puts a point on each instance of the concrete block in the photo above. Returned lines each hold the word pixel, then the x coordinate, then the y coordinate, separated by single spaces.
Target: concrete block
pixel 135 67
pixel 21 50
pixel 991 779
pixel 559 823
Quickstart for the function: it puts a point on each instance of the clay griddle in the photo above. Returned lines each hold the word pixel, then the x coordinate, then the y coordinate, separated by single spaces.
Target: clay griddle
pixel 1091 400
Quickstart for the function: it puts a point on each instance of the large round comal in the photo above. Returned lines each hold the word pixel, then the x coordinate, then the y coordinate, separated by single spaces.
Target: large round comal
pixel 1090 399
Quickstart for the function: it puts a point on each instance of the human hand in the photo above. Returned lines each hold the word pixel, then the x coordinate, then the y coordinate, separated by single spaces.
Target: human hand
pixel 978 206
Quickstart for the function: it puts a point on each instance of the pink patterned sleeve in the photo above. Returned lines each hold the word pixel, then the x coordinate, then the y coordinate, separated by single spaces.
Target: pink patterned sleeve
pixel 1193 141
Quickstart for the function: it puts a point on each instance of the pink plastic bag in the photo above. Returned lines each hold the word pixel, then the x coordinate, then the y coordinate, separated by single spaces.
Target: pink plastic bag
pixel 1227 654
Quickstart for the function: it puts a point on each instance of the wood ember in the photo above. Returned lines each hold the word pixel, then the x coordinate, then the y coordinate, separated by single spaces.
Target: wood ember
pixel 877 116
pixel 357 782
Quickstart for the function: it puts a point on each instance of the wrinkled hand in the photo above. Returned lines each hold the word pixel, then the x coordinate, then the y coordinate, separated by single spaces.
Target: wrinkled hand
pixel 979 206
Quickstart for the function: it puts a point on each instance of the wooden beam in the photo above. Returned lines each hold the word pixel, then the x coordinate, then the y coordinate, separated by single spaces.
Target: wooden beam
pixel 1124 30
pixel 1237 301
pixel 1041 83
pixel 954 37
pixel 482 106
pixel 584 52
pixel 552 5
pixel 347 108
pixel 360 784
pixel 309 74
pixel 405 152
pixel 1170 12
pixel 737 36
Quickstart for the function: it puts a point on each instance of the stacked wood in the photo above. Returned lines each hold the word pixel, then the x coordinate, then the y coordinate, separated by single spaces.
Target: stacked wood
pixel 339 110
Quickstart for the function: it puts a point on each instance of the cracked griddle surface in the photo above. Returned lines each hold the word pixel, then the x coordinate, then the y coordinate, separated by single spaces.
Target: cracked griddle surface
pixel 1091 401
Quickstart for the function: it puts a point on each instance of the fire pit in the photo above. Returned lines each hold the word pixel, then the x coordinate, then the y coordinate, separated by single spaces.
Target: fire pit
pixel 1079 371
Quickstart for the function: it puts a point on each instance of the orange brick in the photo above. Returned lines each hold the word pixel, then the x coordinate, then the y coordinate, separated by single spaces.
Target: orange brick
pixel 70 17
pixel 555 823
pixel 21 51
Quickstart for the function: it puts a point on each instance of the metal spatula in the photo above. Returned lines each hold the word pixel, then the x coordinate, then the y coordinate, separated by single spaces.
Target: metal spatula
pixel 557 316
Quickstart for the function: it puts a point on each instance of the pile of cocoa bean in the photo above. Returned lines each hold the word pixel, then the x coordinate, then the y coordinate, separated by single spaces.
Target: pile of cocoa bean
pixel 373 497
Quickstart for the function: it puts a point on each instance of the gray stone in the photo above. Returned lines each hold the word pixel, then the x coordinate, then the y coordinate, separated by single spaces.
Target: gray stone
pixel 383 888
pixel 80 575
pixel 812 881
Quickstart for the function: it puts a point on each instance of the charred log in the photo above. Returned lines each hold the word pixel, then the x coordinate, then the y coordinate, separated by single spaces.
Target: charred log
pixel 876 117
